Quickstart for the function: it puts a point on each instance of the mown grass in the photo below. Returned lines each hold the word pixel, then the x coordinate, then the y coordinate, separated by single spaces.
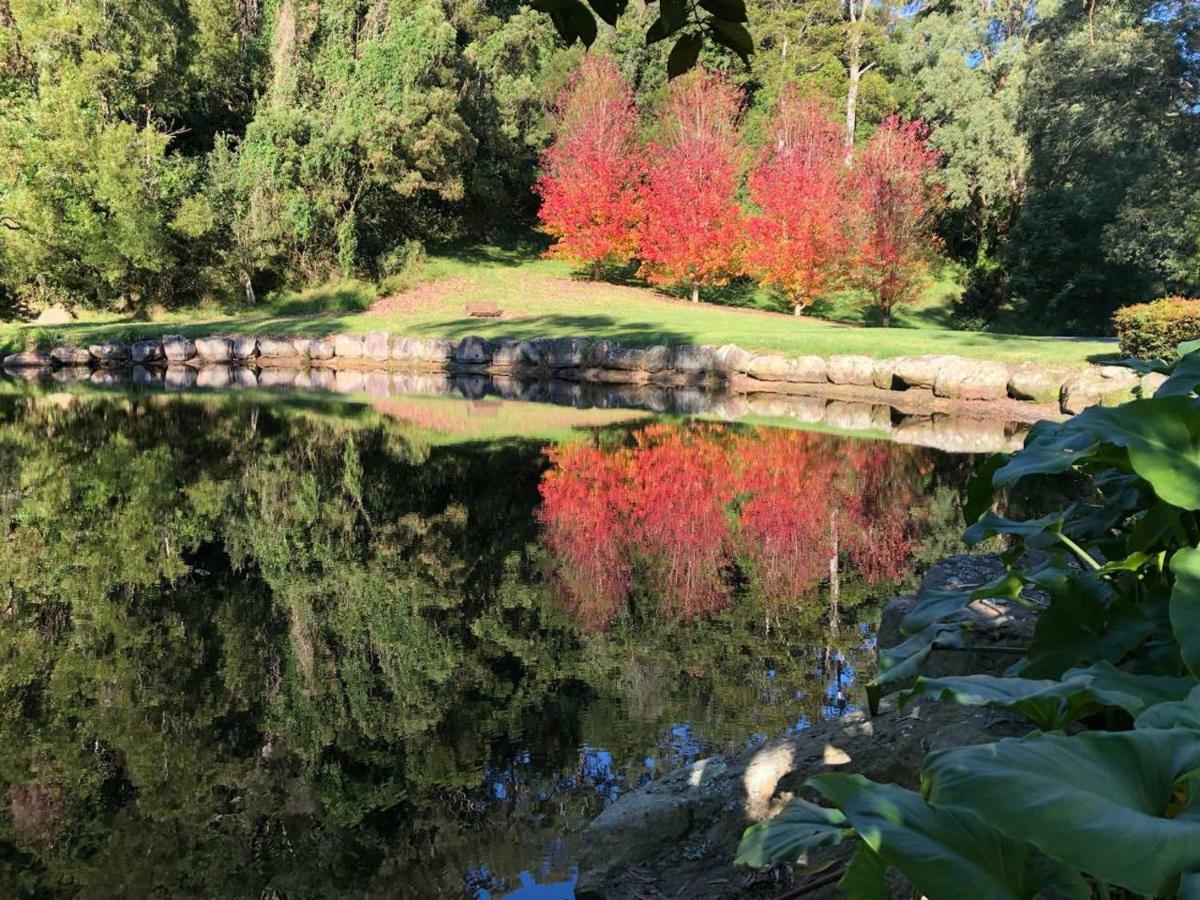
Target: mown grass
pixel 543 297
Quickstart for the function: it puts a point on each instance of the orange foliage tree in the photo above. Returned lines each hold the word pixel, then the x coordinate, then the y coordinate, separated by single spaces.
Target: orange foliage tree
pixel 591 171
pixel 893 221
pixel 798 242
pixel 692 227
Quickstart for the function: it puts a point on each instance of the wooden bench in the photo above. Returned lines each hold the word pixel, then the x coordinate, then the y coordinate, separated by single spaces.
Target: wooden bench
pixel 483 309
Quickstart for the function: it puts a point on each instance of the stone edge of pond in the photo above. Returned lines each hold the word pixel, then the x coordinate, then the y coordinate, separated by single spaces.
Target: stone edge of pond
pixel 928 377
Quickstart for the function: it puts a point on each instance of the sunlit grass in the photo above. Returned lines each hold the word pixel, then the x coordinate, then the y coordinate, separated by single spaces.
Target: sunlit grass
pixel 543 297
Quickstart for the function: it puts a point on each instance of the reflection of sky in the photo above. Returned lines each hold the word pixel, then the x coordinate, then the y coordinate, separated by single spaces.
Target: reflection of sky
pixel 527 887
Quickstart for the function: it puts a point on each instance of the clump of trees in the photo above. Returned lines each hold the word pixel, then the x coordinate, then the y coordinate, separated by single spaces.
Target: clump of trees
pixel 817 220
pixel 164 153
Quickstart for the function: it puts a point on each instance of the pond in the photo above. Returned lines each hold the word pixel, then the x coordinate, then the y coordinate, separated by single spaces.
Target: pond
pixel 289 646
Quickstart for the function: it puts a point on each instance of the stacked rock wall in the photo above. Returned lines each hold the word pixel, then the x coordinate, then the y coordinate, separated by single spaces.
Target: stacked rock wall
pixel 937 382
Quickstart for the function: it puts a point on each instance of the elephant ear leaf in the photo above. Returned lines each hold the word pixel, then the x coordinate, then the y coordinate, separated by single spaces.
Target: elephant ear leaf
pixel 1054 704
pixel 944 852
pixel 900 664
pixel 1183 713
pixel 1048 704
pixel 1101 802
pixel 800 828
pixel 1185 606
pixel 865 877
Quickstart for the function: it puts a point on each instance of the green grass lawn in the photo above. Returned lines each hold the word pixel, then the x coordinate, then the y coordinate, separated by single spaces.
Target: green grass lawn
pixel 542 298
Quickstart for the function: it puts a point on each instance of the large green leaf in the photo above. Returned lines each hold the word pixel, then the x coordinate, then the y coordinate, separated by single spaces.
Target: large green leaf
pixel 1183 713
pixel 1084 623
pixel 800 827
pixel 1098 801
pixel 897 665
pixel 1185 606
pixel 1053 704
pixel 991 525
pixel 865 877
pixel 1185 377
pixel 945 853
pixel 1161 436
pixel 733 35
pixel 937 603
pixel 684 54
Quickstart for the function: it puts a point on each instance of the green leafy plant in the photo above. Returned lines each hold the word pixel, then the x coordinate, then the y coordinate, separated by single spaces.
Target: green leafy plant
pixel 1153 330
pixel 1115 654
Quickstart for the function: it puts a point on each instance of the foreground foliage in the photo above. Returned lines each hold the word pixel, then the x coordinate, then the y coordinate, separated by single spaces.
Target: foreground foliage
pixel 1116 650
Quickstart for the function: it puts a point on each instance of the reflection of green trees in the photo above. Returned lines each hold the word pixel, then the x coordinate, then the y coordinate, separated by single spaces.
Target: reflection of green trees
pixel 248 651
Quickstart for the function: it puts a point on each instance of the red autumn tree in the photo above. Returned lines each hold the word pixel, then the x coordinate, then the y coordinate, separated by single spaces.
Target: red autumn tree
pixel 798 243
pixel 590 172
pixel 892 223
pixel 691 227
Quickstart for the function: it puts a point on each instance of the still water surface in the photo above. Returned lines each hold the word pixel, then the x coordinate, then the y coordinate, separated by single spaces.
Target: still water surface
pixel 292 648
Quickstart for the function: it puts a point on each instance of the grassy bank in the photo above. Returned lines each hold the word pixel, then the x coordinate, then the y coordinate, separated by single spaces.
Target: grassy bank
pixel 540 298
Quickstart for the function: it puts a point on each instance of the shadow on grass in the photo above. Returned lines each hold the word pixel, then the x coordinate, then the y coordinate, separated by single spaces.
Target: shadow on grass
pixel 509 254
pixel 634 334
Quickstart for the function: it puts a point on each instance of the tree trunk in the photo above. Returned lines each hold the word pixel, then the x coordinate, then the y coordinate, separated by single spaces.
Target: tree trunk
pixel 855 72
pixel 249 287
pixel 695 293
pixel 887 317
pixel 835 574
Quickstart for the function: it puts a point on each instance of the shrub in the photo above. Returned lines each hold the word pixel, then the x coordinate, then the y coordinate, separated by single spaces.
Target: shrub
pixel 1153 330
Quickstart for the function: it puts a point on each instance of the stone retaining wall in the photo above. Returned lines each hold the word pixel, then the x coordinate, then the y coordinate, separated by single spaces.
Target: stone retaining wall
pixel 931 377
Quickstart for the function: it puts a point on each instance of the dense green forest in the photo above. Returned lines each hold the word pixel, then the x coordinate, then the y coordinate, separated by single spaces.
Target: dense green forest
pixel 169 151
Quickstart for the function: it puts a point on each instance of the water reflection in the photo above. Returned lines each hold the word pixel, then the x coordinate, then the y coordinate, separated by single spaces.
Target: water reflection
pixel 258 649
pixel 413 397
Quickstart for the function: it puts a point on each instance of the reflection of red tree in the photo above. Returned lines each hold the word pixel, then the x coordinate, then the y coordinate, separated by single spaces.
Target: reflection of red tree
pixel 682 491
pixel 682 503
pixel 584 514
pixel 787 478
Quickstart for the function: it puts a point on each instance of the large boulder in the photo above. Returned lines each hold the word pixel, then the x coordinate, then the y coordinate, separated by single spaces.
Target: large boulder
pixel 146 352
pixel 71 356
pixel 377 345
pixel 29 359
pixel 566 353
pixel 243 347
pixel 423 350
pixel 110 353
pixel 800 369
pixel 1036 382
pixel 318 349
pixel 272 349
pixel 473 351
pixel 920 371
pixel 506 354
pixel 348 346
pixel 972 379
pixel 689 359
pixel 1104 386
pixel 214 349
pixel 883 374
pixel 1149 384
pixel 177 349
pixel 730 359
pixel 855 370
